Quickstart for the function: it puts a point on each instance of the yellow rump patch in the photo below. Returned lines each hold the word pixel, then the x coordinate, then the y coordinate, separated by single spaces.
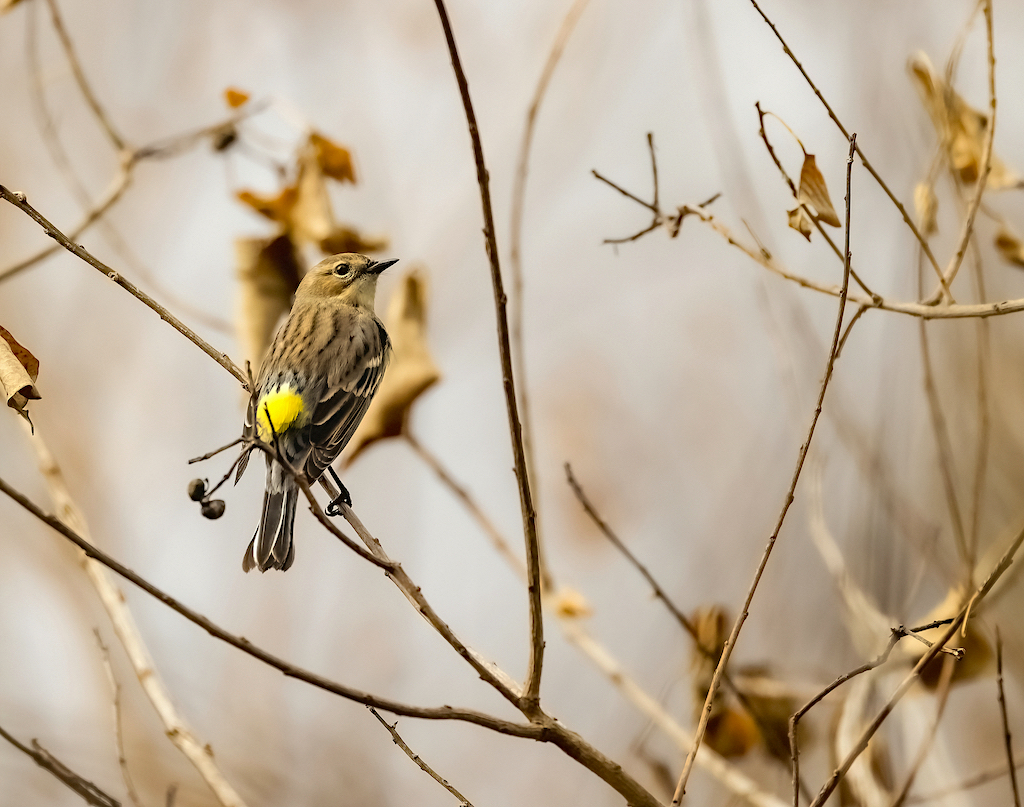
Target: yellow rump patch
pixel 284 406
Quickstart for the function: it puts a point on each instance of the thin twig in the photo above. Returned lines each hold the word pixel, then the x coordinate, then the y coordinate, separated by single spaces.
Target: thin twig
pixel 1007 736
pixel 944 446
pixel 76 68
pixel 941 698
pixel 20 202
pixel 977 780
pixel 423 766
pixel 685 622
pixel 518 300
pixel 115 697
pixel 532 689
pixel 730 644
pixel 986 161
pixel 862 743
pixel 116 191
pixel 863 158
pixel 289 670
pixel 48 762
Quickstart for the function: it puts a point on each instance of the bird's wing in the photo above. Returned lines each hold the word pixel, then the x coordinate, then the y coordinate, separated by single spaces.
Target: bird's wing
pixel 355 373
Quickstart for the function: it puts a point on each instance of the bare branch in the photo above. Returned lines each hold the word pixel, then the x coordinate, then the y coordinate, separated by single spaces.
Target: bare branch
pixel 730 645
pixel 532 695
pixel 115 697
pixel 290 670
pixel 48 762
pixel 1007 736
pixel 76 68
pixel 20 202
pixel 423 766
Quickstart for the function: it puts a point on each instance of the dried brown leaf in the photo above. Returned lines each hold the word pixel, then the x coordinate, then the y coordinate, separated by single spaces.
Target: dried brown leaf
pixel 268 274
pixel 19 370
pixel 276 208
pixel 814 193
pixel 926 204
pixel 335 161
pixel 235 97
pixel 346 239
pixel 1010 247
pixel 731 732
pixel 412 370
pixel 960 127
pixel 311 217
pixel 800 221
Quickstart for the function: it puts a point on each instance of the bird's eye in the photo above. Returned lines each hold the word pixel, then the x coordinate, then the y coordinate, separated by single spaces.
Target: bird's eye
pixel 342 271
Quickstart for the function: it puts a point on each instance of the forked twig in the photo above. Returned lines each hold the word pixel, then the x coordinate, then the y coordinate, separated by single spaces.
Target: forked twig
pixel 863 158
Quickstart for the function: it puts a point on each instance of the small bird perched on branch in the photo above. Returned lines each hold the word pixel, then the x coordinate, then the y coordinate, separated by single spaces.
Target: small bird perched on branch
pixel 322 369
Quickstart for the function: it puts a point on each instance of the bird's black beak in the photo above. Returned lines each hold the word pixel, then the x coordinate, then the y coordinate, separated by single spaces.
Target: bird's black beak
pixel 377 267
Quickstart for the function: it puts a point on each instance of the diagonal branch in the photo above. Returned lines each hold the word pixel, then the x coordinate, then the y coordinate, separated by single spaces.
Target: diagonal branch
pixel 290 670
pixel 48 762
pixel 730 645
pixel 531 697
pixel 19 201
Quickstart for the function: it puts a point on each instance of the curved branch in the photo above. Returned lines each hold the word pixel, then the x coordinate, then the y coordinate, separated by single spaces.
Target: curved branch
pixel 20 202
pixel 531 699
pixel 243 644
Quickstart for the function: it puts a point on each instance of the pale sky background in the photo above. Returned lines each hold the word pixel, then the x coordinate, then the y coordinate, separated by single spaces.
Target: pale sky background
pixel 676 376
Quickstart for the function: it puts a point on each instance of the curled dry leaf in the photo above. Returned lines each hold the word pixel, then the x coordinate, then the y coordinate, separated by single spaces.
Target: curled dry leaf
pixel 268 274
pixel 335 161
pixel 926 204
pixel 276 208
pixel 19 370
pixel 814 193
pixel 800 221
pixel 570 604
pixel 412 370
pixel 235 97
pixel 960 127
pixel 1010 247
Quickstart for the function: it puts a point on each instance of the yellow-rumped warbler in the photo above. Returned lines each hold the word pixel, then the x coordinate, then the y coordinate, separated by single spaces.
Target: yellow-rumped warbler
pixel 314 387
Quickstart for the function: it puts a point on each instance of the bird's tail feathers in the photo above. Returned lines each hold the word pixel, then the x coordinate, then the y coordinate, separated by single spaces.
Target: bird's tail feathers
pixel 272 547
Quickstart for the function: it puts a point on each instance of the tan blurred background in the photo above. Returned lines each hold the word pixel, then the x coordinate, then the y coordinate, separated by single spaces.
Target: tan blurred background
pixel 676 376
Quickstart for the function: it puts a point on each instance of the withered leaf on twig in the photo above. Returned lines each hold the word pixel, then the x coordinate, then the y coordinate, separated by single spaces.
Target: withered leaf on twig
pixel 960 127
pixel 302 208
pixel 412 370
pixel 814 193
pixel 19 370
pixel 1010 247
pixel 800 221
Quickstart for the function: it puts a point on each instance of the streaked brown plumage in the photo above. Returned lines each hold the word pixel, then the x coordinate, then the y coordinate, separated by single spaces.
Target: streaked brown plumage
pixel 316 383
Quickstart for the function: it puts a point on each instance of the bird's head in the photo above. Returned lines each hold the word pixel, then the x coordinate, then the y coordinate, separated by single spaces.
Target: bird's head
pixel 349 276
